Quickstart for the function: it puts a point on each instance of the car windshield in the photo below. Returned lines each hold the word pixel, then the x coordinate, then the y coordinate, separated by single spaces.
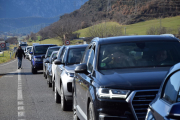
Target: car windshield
pixel 41 49
pixel 75 55
pixel 23 44
pixel 138 54
pixel 51 50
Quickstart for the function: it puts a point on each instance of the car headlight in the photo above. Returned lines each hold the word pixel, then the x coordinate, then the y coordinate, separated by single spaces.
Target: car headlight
pixel 37 59
pixel 149 115
pixel 70 74
pixel 112 93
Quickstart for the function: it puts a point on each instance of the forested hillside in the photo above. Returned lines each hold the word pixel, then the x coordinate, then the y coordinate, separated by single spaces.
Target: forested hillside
pixel 121 11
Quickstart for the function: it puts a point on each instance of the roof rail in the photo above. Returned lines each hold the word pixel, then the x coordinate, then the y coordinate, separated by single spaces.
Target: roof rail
pixel 171 35
pixel 96 38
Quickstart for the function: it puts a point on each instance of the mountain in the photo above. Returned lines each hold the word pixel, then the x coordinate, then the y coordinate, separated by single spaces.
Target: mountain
pixel 37 8
pixel 25 16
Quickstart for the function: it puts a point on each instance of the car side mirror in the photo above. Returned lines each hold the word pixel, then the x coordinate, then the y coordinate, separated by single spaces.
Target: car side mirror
pixel 81 68
pixel 46 61
pixel 31 53
pixel 43 56
pixel 174 112
pixel 57 62
pixel 54 58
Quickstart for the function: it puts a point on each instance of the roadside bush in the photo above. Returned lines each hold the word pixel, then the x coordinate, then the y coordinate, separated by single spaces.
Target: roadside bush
pixel 159 30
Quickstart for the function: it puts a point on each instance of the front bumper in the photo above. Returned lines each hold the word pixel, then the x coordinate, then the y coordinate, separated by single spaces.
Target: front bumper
pixel 114 110
pixel 134 107
pixel 38 65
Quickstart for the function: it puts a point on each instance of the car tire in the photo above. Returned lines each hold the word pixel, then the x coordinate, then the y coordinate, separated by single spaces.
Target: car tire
pixel 34 71
pixel 75 117
pixel 53 85
pixel 57 96
pixel 91 115
pixel 63 100
pixel 49 83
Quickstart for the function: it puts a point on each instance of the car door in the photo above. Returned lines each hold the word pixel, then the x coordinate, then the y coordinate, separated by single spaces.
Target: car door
pixel 60 68
pixel 84 81
pixel 170 94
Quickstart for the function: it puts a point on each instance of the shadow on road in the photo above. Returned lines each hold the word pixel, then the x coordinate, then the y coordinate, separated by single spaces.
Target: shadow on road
pixel 16 73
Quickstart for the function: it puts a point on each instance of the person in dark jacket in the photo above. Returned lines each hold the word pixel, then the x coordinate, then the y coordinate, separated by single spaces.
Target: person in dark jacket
pixel 19 54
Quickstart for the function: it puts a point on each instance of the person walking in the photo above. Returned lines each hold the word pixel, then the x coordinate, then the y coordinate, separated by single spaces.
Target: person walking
pixel 19 54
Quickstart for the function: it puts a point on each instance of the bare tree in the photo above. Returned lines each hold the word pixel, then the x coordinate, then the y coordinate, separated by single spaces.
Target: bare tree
pixel 64 30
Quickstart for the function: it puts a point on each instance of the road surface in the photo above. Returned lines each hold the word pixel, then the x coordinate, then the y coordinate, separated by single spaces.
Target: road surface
pixel 26 96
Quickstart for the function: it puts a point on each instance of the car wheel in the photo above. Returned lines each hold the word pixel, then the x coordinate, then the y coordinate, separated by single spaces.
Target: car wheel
pixel 57 96
pixel 63 101
pixel 53 85
pixel 34 71
pixel 49 83
pixel 75 117
pixel 91 115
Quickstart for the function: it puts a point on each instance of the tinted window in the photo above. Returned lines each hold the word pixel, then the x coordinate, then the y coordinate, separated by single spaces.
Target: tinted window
pixel 172 88
pixel 41 49
pixel 51 50
pixel 85 59
pixel 75 55
pixel 138 54
pixel 90 62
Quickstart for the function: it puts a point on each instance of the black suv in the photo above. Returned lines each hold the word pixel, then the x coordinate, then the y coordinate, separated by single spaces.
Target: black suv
pixel 166 105
pixel 119 76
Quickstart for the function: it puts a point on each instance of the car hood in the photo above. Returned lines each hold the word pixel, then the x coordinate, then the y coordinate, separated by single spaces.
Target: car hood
pixel 38 56
pixel 132 79
pixel 70 68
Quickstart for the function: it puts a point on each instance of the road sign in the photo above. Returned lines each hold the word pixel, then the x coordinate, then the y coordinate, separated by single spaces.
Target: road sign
pixel 2 45
pixel 67 42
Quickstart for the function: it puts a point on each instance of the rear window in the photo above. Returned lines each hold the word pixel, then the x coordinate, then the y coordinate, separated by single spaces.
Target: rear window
pixel 41 49
pixel 75 55
pixel 51 50
pixel 138 54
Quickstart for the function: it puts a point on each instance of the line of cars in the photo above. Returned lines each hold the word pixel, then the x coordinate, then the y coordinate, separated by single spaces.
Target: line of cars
pixel 121 78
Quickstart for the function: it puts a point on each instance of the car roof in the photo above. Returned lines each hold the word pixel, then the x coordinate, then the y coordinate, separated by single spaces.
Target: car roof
pixel 76 46
pixel 135 38
pixel 54 47
pixel 43 44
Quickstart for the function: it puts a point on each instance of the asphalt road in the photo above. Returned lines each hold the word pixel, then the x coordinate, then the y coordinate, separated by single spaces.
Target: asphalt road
pixel 25 96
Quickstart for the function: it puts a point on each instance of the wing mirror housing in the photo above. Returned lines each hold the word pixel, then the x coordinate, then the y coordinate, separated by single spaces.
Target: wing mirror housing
pixel 46 61
pixel 31 53
pixel 81 68
pixel 43 56
pixel 57 62
pixel 174 112
pixel 54 58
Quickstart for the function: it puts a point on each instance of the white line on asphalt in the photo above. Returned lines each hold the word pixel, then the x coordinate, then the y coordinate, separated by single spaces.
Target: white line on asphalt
pixel 21 109
pixel 8 63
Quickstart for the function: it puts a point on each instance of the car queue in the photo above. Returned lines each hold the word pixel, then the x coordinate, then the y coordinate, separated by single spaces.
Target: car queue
pixel 123 78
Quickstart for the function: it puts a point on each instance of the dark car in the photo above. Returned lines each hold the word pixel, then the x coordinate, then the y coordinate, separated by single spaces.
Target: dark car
pixel 37 52
pixel 166 105
pixel 65 74
pixel 49 67
pixel 119 76
pixel 46 57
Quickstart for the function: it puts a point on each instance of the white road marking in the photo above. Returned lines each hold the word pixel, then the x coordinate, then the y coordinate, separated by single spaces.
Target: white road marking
pixel 8 63
pixel 21 114
pixel 20 102
pixel 20 108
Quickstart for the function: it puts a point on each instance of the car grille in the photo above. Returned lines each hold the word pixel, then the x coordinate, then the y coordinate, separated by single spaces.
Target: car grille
pixel 141 102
